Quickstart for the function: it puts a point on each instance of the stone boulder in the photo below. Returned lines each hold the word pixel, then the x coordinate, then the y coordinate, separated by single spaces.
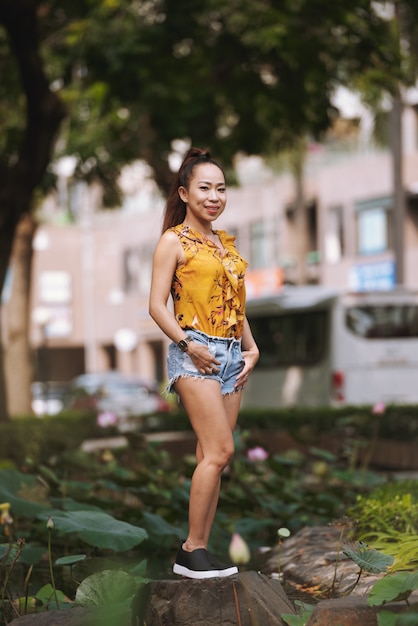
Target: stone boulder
pixel 350 611
pixel 76 616
pixel 246 599
pixel 313 560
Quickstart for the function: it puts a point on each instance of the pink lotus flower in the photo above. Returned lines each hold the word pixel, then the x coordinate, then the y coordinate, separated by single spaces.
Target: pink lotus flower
pixel 257 454
pixel 379 408
pixel 239 552
pixel 106 419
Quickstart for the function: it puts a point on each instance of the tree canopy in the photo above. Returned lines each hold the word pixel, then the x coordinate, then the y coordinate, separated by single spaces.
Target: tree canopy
pixel 237 76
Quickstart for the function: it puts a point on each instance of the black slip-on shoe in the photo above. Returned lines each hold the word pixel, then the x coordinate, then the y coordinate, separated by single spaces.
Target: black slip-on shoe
pixel 224 570
pixel 195 564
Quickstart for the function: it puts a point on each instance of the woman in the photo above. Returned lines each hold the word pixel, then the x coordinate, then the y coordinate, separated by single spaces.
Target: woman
pixel 212 351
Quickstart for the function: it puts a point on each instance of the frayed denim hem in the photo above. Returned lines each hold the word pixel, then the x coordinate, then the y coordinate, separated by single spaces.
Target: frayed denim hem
pixel 169 389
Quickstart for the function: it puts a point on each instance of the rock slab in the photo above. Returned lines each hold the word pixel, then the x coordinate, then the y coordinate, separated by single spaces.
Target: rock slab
pixel 351 611
pixel 71 617
pixel 246 599
pixel 313 559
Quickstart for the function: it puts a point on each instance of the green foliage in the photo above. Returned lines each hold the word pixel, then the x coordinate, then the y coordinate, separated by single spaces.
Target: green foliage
pixel 86 494
pixel 393 588
pixel 296 620
pixel 25 494
pixel 106 588
pixel 93 526
pixel 399 423
pixel 97 529
pixel 46 596
pixel 368 560
pixel 265 75
pixel 28 440
pixel 387 518
pixel 406 618
pixel 303 616
pixel 30 554
pixel 148 488
pixel 391 507
pixel 70 560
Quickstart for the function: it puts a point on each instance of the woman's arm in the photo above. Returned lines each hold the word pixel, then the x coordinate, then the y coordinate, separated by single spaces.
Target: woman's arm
pixel 250 354
pixel 167 256
pixel 248 341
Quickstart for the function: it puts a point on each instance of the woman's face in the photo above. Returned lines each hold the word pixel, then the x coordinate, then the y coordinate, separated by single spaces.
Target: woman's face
pixel 205 197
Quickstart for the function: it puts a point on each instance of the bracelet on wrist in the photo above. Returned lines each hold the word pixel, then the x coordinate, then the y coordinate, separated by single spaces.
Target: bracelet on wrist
pixel 183 344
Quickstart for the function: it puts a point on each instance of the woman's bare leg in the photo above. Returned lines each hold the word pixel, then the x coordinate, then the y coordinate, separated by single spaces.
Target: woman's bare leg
pixel 231 403
pixel 211 416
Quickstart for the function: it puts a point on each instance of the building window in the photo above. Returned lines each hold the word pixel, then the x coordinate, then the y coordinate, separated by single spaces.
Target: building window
pixel 264 244
pixel 54 315
pixel 374 226
pixel 334 236
pixel 373 231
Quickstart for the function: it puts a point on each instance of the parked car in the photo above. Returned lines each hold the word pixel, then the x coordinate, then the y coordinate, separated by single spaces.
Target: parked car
pixel 49 398
pixel 116 393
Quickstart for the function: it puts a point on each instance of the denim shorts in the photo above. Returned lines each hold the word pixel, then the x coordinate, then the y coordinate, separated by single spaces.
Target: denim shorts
pixel 224 349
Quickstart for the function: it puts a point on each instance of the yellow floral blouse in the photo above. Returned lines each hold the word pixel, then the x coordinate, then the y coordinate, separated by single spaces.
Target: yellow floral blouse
pixel 208 290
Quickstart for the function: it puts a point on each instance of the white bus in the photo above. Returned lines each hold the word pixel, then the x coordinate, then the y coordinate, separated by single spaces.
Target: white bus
pixel 319 347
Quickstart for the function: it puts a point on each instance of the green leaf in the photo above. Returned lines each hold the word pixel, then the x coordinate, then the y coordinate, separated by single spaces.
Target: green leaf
pixel 46 595
pixel 156 525
pixel 106 587
pixel 323 454
pixel 296 620
pixel 409 618
pixel 98 529
pixel 393 588
pixel 31 553
pixel 387 618
pixel 70 560
pixel 368 560
pixel 68 504
pixel 140 570
pixel 26 496
pixel 10 551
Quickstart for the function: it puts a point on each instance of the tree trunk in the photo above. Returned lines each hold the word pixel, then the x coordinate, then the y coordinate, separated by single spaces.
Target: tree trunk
pixel 44 112
pixel 7 229
pixel 3 396
pixel 18 361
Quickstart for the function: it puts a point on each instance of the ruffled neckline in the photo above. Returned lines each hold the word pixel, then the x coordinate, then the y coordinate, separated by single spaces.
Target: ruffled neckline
pixel 224 237
pixel 229 261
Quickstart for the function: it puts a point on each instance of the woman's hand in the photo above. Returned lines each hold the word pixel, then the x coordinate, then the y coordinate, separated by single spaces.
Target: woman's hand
pixel 202 358
pixel 250 355
pixel 250 359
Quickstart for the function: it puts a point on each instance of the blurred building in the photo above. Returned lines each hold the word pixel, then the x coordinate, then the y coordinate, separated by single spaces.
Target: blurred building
pixel 91 278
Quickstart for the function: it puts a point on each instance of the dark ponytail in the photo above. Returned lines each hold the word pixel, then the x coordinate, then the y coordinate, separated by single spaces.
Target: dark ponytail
pixel 175 208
